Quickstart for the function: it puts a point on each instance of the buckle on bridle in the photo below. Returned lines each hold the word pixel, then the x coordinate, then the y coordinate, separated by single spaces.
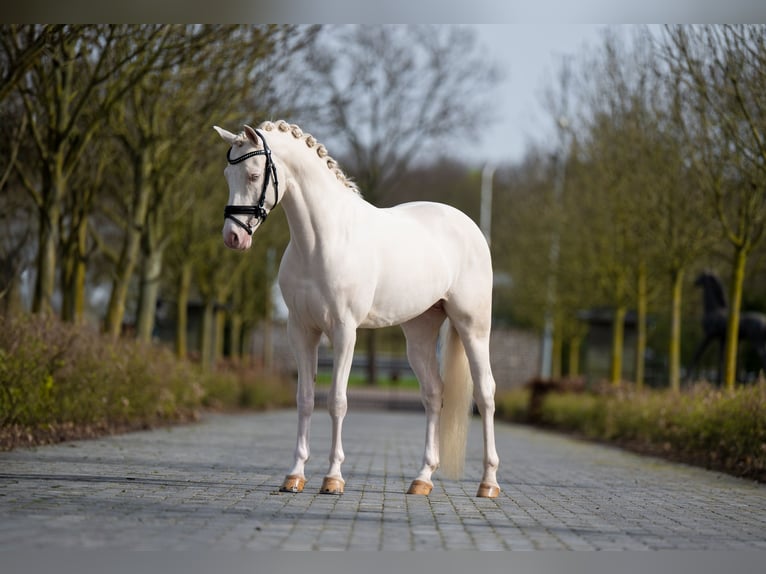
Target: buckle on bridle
pixel 257 211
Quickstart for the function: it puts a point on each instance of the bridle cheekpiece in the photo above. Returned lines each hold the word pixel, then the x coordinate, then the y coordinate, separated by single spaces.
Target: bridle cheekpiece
pixel 258 210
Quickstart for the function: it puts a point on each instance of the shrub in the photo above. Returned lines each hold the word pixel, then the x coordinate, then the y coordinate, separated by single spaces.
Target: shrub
pixel 703 425
pixel 58 380
pixel 512 405
pixel 238 387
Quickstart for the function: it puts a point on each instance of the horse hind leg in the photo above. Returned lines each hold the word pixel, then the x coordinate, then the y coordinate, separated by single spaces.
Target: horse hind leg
pixel 759 343
pixel 422 334
pixel 474 333
pixel 477 350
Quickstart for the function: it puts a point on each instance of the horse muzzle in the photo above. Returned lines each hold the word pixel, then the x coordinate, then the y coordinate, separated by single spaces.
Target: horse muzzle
pixel 235 238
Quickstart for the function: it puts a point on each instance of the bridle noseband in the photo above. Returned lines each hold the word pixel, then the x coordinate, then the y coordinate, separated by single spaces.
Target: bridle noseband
pixel 257 210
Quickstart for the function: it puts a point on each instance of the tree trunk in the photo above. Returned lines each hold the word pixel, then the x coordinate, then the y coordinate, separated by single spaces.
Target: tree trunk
pixel 50 219
pixel 575 344
pixel 557 348
pixel 182 309
pixel 641 310
pixel 130 247
pixel 268 336
pixel 235 337
pixel 11 302
pixel 151 273
pixel 372 357
pixel 206 335
pixel 68 264
pixel 618 338
pixel 220 328
pixel 674 353
pixel 73 271
pixel 732 327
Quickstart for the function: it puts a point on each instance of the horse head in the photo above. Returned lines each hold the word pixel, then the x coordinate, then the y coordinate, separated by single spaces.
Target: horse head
pixel 712 290
pixel 253 185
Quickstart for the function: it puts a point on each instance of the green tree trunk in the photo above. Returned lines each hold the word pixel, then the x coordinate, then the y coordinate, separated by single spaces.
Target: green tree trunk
pixel 50 221
pixel 641 311
pixel 151 274
pixel 235 337
pixel 575 344
pixel 732 327
pixel 220 329
pixel 206 335
pixel 674 351
pixel 372 357
pixel 557 348
pixel 73 271
pixel 131 245
pixel 618 338
pixel 11 302
pixel 182 309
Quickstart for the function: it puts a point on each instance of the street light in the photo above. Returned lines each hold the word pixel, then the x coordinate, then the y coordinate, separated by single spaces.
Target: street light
pixel 546 368
pixel 485 217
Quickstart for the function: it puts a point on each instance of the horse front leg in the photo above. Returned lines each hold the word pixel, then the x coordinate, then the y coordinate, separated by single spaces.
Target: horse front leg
pixel 305 343
pixel 344 339
pixel 759 344
pixel 694 367
pixel 721 350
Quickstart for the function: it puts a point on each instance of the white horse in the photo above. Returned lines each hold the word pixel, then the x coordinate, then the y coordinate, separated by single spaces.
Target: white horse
pixel 350 265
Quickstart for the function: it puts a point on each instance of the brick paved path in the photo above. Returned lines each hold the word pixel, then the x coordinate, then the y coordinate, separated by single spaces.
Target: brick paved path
pixel 214 485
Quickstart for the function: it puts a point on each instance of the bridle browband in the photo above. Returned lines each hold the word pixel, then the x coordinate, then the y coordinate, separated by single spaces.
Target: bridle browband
pixel 257 210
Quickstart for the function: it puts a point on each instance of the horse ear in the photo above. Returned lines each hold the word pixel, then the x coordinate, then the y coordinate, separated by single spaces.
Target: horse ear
pixel 227 136
pixel 251 135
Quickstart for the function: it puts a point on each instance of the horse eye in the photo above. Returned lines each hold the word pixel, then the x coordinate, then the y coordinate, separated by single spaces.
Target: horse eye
pixel 253 176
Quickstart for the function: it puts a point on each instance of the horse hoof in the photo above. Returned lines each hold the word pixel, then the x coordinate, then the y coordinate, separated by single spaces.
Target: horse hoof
pixel 487 490
pixel 420 487
pixel 293 483
pixel 332 485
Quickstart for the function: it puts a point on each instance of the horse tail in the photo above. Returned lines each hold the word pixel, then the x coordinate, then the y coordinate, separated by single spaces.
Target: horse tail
pixel 456 408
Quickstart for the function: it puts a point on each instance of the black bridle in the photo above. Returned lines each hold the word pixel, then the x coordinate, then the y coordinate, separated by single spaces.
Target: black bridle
pixel 258 210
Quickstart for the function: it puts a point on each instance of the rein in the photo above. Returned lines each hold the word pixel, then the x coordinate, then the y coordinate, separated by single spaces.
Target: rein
pixel 258 210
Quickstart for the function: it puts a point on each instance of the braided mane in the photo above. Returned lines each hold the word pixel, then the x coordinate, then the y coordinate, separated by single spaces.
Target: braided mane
pixel 312 143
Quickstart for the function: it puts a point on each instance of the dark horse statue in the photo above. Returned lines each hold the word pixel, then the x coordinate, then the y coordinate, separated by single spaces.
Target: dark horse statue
pixel 752 326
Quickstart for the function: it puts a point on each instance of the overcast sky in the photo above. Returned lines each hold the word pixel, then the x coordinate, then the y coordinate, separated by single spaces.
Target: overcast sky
pixel 527 55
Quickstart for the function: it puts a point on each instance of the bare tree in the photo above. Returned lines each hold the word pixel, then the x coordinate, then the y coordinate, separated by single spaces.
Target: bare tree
pixel 22 47
pixel 719 72
pixel 630 213
pixel 85 70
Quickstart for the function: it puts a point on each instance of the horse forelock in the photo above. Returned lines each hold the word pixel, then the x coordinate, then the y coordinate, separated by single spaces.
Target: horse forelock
pixel 312 143
pixel 240 140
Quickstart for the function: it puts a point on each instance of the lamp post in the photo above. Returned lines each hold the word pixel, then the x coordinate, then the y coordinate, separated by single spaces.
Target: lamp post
pixel 546 368
pixel 485 217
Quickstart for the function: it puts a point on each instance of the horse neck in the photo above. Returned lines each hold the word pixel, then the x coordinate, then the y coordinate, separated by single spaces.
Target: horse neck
pixel 313 202
pixel 712 300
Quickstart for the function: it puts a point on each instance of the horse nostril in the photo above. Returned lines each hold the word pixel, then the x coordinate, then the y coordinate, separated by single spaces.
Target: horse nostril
pixel 233 239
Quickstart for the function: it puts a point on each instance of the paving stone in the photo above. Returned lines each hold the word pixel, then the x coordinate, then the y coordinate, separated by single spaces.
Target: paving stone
pixel 215 484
